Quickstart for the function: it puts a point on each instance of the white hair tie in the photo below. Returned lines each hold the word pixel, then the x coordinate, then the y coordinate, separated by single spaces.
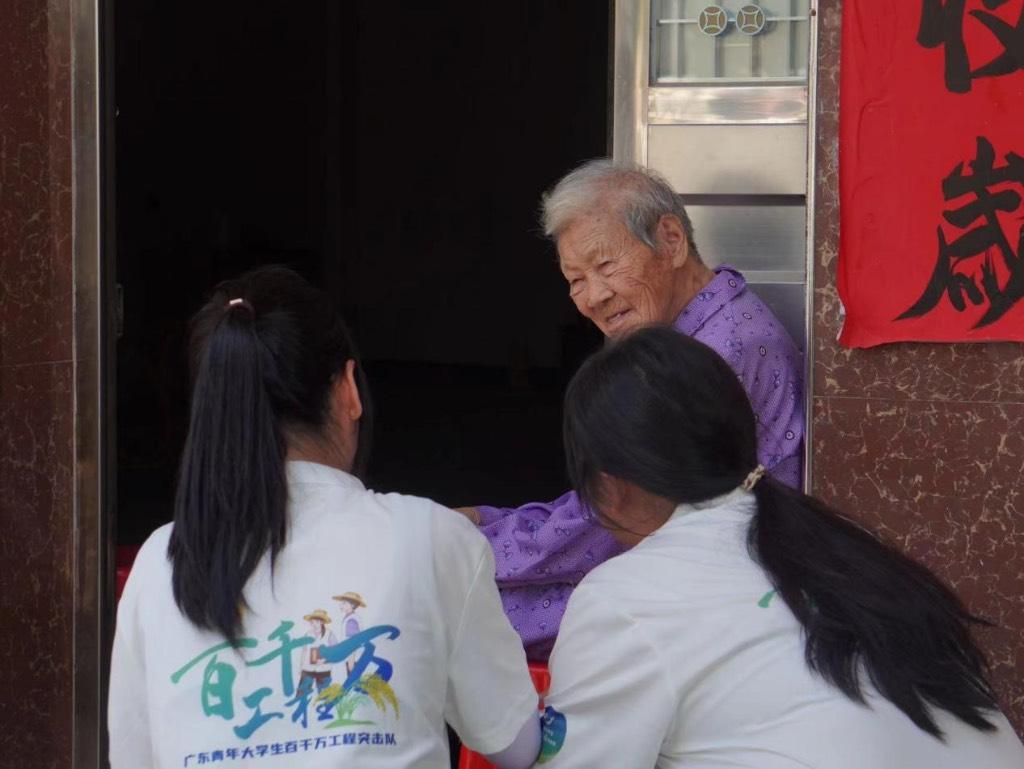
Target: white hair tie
pixel 240 302
pixel 752 478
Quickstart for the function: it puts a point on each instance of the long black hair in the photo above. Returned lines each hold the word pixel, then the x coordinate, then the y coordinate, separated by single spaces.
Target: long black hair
pixel 264 352
pixel 667 414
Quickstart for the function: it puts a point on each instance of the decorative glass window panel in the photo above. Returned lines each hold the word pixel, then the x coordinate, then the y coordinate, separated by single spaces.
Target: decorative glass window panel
pixel 729 41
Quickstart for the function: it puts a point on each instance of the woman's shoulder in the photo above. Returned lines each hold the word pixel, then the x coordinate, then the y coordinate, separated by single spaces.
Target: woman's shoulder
pixel 454 555
pixel 153 552
pixel 691 565
pixel 448 532
pixel 441 517
pixel 614 583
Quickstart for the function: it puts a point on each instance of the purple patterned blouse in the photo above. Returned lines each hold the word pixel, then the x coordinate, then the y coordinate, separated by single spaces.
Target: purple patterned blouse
pixel 544 549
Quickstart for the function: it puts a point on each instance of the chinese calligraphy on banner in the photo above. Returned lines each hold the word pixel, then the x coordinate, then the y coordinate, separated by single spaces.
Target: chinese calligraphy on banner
pixel 931 153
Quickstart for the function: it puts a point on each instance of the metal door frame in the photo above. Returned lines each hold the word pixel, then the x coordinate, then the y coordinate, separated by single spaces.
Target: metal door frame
pixel 92 569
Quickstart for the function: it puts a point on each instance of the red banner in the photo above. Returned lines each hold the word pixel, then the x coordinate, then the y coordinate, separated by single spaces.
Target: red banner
pixel 931 161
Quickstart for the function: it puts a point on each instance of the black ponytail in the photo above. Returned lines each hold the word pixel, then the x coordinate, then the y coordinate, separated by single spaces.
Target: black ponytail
pixel 863 603
pixel 666 413
pixel 265 350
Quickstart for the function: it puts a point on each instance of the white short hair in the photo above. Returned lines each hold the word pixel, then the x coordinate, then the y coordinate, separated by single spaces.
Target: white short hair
pixel 640 196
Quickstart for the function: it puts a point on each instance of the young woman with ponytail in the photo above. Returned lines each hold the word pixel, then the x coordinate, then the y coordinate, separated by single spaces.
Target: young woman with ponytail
pixel 749 625
pixel 232 643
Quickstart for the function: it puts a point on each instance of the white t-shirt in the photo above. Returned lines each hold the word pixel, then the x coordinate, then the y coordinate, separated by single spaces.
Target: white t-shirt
pixel 434 645
pixel 678 653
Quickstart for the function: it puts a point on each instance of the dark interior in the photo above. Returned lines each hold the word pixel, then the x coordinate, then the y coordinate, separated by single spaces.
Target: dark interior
pixel 394 153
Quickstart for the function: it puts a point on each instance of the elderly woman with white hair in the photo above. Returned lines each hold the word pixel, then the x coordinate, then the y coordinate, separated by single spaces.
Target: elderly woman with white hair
pixel 627 251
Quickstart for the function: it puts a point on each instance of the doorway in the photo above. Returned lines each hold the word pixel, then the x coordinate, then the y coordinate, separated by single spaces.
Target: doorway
pixel 394 154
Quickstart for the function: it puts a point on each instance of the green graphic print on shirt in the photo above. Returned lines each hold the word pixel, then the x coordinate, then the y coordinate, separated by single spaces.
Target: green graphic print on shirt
pixel 340 685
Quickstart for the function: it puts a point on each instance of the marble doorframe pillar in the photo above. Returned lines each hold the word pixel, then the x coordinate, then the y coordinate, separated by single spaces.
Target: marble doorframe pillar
pixel 53 609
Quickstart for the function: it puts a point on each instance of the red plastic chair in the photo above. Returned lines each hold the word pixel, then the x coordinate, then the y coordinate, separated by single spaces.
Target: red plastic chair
pixel 541 680
pixel 125 558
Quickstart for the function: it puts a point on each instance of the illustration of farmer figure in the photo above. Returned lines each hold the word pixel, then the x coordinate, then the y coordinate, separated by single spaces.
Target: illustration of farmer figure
pixel 316 672
pixel 350 603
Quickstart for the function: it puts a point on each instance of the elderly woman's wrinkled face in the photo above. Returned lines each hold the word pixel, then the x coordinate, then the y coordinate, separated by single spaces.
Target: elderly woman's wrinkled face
pixel 615 280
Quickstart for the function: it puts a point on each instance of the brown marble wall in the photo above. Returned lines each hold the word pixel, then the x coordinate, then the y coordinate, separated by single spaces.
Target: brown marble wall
pixel 36 385
pixel 925 442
